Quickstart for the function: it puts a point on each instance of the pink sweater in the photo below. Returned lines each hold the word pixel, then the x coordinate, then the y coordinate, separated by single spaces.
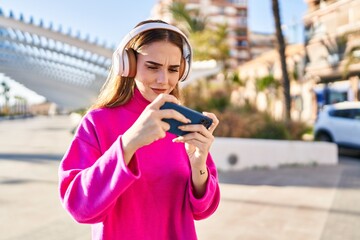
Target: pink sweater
pixel 151 198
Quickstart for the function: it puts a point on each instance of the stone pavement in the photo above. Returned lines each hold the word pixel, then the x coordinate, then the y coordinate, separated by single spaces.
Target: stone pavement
pixel 297 203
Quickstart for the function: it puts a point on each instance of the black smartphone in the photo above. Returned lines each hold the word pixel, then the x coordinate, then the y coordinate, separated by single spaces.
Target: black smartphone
pixel 195 117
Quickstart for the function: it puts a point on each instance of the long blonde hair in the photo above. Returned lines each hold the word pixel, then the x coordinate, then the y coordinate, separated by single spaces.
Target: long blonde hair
pixel 118 90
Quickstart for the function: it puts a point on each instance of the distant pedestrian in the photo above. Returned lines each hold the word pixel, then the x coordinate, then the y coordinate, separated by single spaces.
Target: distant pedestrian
pixel 123 172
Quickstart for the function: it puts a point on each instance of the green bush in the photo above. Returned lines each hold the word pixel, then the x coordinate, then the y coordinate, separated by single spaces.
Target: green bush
pixel 247 122
pixel 272 130
pixel 219 100
pixel 201 100
pixel 241 122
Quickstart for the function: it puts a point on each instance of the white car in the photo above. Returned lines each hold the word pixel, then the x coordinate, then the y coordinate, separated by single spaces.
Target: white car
pixel 339 123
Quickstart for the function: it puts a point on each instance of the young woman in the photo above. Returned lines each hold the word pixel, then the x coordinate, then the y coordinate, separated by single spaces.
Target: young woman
pixel 123 172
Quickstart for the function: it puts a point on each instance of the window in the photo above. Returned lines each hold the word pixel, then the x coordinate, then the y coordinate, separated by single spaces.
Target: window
pixel 357 114
pixel 241 32
pixel 238 2
pixel 242 43
pixel 342 113
pixel 241 13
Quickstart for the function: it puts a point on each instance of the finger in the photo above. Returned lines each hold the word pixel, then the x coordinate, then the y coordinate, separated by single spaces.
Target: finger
pixel 161 99
pixel 203 147
pixel 173 114
pixel 192 137
pixel 199 128
pixel 215 122
pixel 165 126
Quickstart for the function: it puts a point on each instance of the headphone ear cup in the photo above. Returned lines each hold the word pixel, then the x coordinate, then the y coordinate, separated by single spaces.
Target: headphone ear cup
pixel 132 62
pixel 182 68
pixel 129 63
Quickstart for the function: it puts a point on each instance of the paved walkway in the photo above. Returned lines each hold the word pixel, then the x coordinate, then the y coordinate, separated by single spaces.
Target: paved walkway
pixel 299 203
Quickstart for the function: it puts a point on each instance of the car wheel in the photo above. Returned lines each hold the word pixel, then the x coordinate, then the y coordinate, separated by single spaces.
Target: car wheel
pixel 323 137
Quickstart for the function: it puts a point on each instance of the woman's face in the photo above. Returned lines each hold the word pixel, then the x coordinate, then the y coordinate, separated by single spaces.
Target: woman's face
pixel 158 66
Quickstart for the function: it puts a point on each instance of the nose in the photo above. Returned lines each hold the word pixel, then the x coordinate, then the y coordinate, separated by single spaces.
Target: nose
pixel 163 77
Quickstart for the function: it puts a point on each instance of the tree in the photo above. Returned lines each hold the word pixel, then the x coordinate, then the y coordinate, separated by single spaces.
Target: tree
pixel 281 49
pixel 208 42
pixel 269 85
pixel 193 20
pixel 5 93
pixel 352 54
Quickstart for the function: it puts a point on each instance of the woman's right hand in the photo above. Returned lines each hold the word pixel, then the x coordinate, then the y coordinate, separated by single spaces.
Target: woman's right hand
pixel 149 127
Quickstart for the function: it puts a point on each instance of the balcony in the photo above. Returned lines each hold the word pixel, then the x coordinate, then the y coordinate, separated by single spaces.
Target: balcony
pixel 239 3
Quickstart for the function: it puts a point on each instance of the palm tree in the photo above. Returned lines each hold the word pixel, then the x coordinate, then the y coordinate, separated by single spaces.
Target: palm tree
pixel 193 20
pixel 281 49
pixel 219 39
pixel 194 24
pixel 5 93
pixel 269 85
pixel 208 43
pixel 350 59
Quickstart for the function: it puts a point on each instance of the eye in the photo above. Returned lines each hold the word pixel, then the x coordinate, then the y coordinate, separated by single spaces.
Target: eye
pixel 152 67
pixel 173 70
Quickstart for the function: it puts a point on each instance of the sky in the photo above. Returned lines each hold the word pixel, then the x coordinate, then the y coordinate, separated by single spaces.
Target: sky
pixel 110 20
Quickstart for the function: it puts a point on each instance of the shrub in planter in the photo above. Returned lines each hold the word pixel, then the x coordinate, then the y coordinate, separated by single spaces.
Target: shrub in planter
pixel 240 122
pixel 272 130
pixel 249 123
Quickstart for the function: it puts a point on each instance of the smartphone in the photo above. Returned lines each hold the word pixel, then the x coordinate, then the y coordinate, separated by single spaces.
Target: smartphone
pixel 195 117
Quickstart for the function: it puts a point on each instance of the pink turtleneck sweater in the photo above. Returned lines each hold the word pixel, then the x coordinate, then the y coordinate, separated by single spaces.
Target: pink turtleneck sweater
pixel 151 198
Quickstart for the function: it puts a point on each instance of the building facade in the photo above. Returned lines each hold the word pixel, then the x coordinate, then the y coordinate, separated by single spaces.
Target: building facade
pixel 261 42
pixel 332 43
pixel 267 65
pixel 232 12
pixel 324 70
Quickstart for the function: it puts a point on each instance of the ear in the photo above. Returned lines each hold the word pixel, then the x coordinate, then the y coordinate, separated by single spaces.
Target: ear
pixel 131 55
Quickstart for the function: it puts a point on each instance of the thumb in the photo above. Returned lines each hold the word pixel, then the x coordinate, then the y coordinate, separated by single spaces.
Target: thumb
pixel 162 98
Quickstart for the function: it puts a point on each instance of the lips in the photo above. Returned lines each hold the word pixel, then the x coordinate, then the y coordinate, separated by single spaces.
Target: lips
pixel 158 90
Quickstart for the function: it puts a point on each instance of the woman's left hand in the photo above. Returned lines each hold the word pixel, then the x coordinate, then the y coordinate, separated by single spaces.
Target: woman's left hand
pixel 198 141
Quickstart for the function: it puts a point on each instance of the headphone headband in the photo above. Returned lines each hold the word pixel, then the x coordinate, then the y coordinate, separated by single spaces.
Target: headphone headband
pixel 120 63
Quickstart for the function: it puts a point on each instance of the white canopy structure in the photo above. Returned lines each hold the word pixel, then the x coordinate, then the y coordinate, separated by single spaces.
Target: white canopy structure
pixel 66 69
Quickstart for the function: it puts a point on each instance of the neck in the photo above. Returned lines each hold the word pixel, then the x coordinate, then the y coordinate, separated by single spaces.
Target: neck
pixel 137 103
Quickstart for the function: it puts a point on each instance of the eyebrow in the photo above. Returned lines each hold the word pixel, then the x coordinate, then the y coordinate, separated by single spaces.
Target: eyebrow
pixel 159 64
